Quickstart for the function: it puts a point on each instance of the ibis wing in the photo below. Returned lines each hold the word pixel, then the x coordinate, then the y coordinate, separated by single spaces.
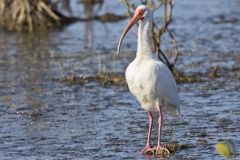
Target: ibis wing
pixel 166 89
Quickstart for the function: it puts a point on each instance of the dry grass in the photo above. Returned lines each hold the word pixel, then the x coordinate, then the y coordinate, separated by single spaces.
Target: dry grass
pixel 35 15
pixel 27 15
pixel 102 78
pixel 119 79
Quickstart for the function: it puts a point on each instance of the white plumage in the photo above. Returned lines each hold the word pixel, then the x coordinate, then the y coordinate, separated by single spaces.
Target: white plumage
pixel 152 83
pixel 148 79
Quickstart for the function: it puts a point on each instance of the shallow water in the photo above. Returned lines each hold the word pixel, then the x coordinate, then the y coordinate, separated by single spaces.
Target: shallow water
pixel 44 119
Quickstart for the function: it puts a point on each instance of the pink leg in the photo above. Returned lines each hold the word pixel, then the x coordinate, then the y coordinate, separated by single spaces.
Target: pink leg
pixel 150 127
pixel 160 118
pixel 148 145
pixel 159 148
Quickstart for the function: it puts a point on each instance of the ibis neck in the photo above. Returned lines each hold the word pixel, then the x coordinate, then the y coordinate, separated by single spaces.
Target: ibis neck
pixel 144 45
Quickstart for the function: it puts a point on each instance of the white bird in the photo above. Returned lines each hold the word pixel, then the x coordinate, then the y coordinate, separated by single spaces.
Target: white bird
pixel 148 79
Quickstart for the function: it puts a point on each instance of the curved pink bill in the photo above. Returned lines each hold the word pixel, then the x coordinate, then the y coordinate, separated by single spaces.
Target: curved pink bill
pixel 135 18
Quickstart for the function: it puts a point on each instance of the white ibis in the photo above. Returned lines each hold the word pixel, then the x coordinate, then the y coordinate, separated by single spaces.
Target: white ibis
pixel 148 79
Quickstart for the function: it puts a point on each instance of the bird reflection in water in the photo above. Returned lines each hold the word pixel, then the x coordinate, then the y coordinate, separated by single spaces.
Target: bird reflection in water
pixel 88 10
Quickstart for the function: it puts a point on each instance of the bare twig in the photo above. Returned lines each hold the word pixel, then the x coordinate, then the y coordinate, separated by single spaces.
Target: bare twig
pixel 158 5
pixel 129 5
pixel 175 49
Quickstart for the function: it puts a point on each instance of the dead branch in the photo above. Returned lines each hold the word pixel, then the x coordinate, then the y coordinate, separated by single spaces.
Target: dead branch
pixel 27 15
pixel 175 49
pixel 130 6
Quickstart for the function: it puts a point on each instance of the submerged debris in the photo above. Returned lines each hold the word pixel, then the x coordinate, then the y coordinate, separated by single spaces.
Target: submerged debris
pixel 168 149
pixel 102 78
pixel 118 79
pixel 109 78
pixel 183 78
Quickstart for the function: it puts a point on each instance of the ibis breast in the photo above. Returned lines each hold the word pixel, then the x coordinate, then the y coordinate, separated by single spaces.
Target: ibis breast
pixel 153 84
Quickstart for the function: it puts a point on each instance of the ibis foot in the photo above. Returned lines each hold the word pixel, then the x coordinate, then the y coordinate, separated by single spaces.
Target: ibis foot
pixel 156 151
pixel 161 152
pixel 147 150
